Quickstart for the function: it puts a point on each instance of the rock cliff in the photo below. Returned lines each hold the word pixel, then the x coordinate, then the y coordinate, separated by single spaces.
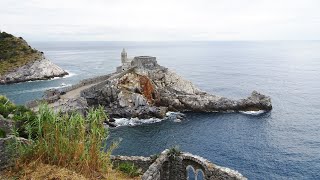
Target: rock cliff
pixel 40 69
pixel 19 62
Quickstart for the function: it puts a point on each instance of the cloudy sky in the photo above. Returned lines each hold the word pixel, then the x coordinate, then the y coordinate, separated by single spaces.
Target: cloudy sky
pixel 161 20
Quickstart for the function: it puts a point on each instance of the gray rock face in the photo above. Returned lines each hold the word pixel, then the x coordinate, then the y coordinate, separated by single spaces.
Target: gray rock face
pixel 6 124
pixel 71 105
pixel 152 90
pixel 5 156
pixel 41 69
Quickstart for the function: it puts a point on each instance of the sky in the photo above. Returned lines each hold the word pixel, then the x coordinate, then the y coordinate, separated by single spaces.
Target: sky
pixel 161 20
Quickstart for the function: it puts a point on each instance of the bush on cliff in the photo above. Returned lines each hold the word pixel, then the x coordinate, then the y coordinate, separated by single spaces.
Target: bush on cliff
pixel 15 52
pixel 21 115
pixel 2 133
pixel 174 152
pixel 70 141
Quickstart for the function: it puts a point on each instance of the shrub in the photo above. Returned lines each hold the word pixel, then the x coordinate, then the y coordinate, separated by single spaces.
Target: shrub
pixel 15 52
pixel 4 111
pixel 174 152
pixel 129 169
pixel 3 100
pixel 2 133
pixel 154 157
pixel 4 35
pixel 68 141
pixel 22 115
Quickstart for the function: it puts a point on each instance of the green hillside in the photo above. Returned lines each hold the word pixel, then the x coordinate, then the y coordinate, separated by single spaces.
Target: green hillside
pixel 15 52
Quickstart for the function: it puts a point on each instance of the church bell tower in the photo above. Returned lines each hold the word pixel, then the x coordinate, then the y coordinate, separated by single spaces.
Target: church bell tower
pixel 123 56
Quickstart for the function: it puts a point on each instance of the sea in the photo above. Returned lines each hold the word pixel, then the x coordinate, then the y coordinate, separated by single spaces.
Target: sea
pixel 281 144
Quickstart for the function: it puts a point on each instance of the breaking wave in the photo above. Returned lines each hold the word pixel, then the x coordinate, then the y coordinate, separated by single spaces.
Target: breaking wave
pixel 71 74
pixel 40 89
pixel 253 112
pixel 174 116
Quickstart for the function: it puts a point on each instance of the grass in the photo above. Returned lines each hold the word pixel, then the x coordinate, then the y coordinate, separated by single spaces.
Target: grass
pixel 61 146
pixel 70 141
pixel 129 169
pixel 15 52
pixel 46 171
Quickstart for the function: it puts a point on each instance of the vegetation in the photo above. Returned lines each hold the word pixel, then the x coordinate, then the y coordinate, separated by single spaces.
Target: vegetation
pixel 60 146
pixel 21 115
pixel 174 152
pixel 154 157
pixel 15 52
pixel 2 133
pixel 129 169
pixel 67 141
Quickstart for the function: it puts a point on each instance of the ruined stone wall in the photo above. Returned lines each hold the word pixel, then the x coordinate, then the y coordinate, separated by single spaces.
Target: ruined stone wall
pixel 139 161
pixel 165 168
pixel 157 168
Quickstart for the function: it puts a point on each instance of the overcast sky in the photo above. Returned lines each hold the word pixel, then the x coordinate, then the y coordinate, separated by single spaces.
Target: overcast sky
pixel 161 20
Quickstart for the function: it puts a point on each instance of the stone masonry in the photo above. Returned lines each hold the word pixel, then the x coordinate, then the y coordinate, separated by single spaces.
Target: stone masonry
pixel 167 168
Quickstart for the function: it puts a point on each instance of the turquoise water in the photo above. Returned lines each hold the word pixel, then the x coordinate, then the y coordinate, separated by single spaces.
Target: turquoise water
pixel 281 144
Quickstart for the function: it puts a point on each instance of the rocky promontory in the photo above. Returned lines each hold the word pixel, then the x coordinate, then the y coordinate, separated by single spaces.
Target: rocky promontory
pixel 150 90
pixel 19 62
pixel 144 89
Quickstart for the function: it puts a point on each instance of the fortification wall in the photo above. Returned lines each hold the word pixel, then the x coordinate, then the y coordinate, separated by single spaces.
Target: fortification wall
pixel 52 96
pixel 86 82
pixel 147 62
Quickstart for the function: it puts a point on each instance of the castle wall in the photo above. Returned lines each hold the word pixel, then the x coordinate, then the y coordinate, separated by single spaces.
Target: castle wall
pixel 144 62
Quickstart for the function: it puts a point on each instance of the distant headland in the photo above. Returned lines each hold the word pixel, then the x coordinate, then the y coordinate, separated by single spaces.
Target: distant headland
pixel 142 88
pixel 19 62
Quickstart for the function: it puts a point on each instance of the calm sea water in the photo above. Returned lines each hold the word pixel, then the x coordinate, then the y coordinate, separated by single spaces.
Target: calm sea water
pixel 281 144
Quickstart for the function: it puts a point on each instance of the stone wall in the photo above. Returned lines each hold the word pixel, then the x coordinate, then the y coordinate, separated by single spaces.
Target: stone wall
pixel 87 82
pixel 139 161
pixel 55 97
pixel 144 62
pixel 157 168
pixel 166 168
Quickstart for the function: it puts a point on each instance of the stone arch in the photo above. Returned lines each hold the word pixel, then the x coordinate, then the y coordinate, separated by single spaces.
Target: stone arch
pixel 199 174
pixel 190 173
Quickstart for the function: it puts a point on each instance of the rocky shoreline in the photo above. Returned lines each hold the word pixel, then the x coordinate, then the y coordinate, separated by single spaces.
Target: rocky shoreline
pixel 41 69
pixel 19 62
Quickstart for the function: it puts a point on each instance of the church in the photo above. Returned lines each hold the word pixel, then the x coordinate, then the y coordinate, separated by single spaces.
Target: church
pixel 138 61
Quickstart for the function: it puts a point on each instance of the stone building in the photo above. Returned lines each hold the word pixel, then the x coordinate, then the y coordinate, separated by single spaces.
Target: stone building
pixel 142 62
